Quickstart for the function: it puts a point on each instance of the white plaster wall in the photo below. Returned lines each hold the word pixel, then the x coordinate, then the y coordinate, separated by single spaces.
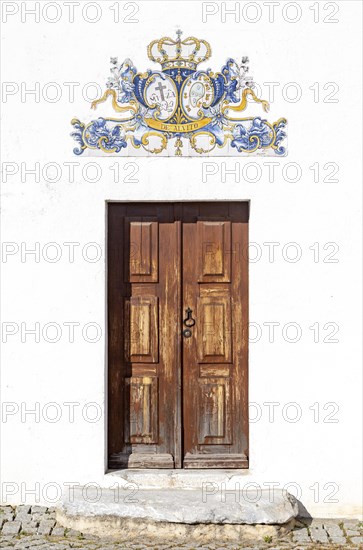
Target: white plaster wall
pixel 37 454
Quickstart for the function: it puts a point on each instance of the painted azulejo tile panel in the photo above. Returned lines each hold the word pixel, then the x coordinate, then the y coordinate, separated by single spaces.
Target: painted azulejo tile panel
pixel 180 110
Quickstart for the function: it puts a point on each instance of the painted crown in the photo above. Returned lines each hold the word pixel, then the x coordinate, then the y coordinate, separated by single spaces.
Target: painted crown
pixel 187 53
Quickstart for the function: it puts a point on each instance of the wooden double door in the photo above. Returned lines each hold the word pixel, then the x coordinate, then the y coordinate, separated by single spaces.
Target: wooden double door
pixel 177 336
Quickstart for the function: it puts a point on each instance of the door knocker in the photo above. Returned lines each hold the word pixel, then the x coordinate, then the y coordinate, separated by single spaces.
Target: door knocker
pixel 189 321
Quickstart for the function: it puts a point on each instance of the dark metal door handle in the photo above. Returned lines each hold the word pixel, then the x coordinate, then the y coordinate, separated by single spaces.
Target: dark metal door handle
pixel 189 321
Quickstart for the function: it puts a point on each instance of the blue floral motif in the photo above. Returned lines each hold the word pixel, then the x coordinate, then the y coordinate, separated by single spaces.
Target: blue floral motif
pixel 141 127
pixel 218 124
pixel 231 72
pixel 111 138
pixel 77 135
pixel 280 135
pixel 258 135
pixel 122 80
pixel 126 76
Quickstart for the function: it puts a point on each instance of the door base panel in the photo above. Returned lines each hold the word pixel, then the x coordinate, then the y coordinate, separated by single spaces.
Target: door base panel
pixel 215 461
pixel 141 460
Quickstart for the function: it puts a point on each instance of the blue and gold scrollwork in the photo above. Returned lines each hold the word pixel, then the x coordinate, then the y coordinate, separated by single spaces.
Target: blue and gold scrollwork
pixel 180 103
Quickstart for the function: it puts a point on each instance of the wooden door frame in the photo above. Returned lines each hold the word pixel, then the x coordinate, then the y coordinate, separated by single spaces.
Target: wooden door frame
pixel 179 434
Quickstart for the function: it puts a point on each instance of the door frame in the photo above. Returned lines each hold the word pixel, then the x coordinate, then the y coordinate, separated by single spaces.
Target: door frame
pixel 180 374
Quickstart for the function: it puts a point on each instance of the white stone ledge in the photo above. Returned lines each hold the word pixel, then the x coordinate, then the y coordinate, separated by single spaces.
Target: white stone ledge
pixel 178 506
pixel 178 479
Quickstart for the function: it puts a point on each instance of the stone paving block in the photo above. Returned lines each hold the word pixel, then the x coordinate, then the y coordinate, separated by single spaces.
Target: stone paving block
pixel 335 533
pixel 315 523
pixel 333 528
pixel 357 540
pixel 58 531
pixel 352 532
pixel 38 516
pixel 45 526
pixel 22 517
pixel 7 517
pixel 30 521
pixel 318 533
pixel 11 528
pixel 36 509
pixel 22 513
pixel 23 508
pixel 301 535
pixel 351 523
pixel 31 527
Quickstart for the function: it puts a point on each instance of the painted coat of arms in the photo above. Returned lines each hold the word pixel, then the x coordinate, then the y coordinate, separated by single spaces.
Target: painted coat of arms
pixel 180 110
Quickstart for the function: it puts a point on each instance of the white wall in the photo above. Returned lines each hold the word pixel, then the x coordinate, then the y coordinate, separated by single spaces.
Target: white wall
pixel 311 454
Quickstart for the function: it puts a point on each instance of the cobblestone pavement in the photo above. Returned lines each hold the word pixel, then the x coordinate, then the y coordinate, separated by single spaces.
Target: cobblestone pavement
pixel 35 527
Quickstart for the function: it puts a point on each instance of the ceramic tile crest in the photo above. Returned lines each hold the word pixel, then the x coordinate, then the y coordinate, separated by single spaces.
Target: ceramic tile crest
pixel 180 110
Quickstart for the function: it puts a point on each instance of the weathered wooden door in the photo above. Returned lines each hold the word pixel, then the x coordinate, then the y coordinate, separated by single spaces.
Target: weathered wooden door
pixel 178 318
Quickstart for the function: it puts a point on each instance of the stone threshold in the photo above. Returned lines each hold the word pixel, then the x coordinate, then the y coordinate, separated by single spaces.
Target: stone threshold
pixel 163 478
pixel 194 513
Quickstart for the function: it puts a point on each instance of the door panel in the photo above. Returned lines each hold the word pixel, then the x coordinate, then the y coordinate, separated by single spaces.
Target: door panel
pixel 141 259
pixel 178 399
pixel 141 414
pixel 214 411
pixel 215 355
pixel 213 252
pixel 213 332
pixel 144 343
pixel 142 329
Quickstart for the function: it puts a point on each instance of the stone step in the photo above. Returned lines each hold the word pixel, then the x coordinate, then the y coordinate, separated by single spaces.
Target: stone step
pixel 124 511
pixel 179 478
